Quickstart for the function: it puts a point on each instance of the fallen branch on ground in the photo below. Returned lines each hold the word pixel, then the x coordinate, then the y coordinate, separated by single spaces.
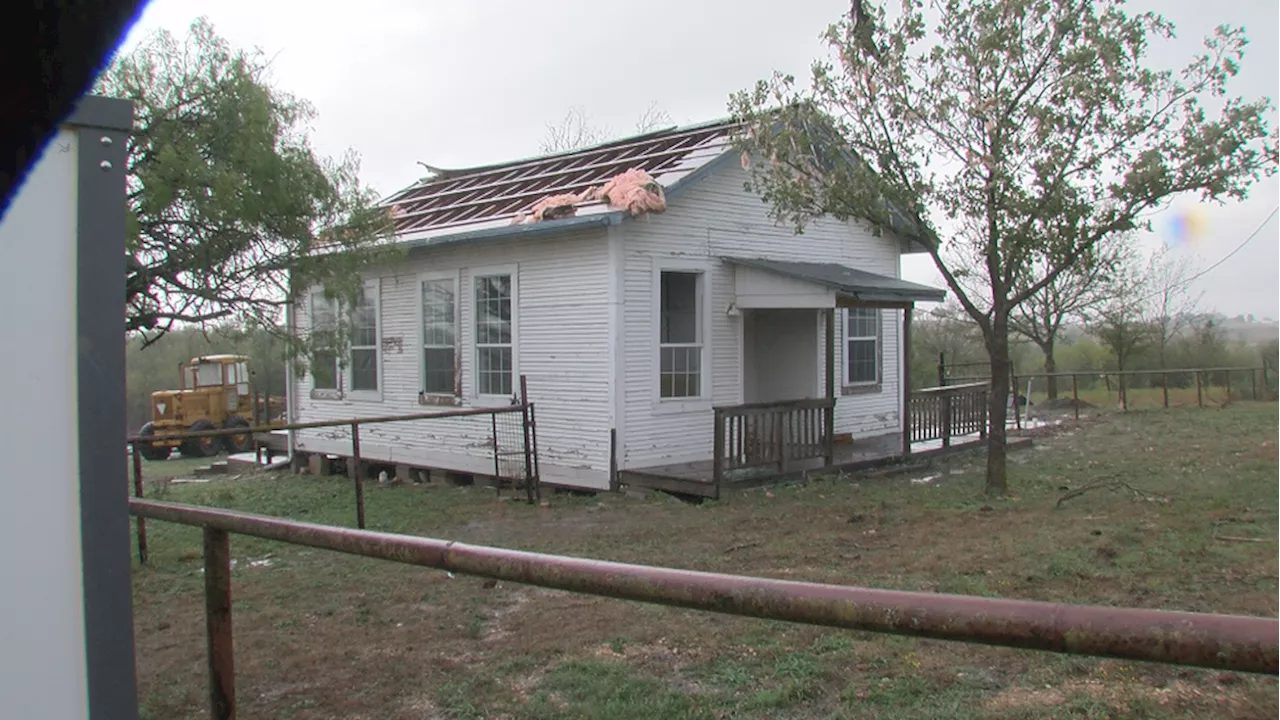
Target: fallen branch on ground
pixel 1234 538
pixel 742 546
pixel 1109 484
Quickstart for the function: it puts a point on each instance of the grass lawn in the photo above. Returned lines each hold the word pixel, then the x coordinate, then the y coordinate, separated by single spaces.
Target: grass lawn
pixel 323 635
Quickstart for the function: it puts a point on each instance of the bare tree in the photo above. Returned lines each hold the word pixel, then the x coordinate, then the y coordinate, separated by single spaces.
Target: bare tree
pixel 572 132
pixel 1071 296
pixel 1172 303
pixel 575 130
pixel 653 118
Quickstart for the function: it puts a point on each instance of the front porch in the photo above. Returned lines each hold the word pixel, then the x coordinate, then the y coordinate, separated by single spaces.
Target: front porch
pixel 793 382
pixel 764 443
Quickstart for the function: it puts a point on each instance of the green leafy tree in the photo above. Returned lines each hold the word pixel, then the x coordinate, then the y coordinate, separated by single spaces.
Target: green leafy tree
pixel 1008 135
pixel 232 212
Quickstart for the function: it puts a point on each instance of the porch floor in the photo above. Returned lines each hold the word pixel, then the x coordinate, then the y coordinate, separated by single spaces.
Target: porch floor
pixel 696 478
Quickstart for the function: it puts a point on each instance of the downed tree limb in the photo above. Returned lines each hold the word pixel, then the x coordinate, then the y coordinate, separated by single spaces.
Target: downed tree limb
pixel 742 546
pixel 1235 538
pixel 1109 484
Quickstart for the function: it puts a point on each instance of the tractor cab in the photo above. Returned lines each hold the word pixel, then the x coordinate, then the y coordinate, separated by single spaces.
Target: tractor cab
pixel 215 393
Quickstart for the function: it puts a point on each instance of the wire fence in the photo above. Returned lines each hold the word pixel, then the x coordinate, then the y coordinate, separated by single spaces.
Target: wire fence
pixel 509 434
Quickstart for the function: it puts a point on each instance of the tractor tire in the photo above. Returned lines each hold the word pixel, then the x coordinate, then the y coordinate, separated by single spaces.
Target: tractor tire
pixel 201 447
pixel 149 451
pixel 237 443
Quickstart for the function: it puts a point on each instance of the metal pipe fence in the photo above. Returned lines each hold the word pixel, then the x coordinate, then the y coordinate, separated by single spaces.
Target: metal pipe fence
pixel 1226 642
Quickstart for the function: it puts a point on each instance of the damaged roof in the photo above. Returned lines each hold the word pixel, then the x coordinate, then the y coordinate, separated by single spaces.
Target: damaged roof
pixel 459 200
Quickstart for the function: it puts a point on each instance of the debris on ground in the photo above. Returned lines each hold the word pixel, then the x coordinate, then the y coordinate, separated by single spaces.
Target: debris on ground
pixel 1065 404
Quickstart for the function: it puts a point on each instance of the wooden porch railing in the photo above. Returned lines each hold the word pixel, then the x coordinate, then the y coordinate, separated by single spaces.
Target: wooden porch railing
pixel 942 413
pixel 771 434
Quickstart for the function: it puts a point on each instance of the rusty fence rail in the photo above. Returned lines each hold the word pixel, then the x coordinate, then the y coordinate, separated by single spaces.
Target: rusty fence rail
pixel 516 460
pixel 1226 642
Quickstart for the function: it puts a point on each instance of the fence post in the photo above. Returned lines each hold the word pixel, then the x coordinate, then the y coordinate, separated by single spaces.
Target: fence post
pixel 779 444
pixel 1017 409
pixel 1253 382
pixel 137 492
pixel 984 399
pixel 1226 374
pixel 717 457
pixel 1199 394
pixel 356 474
pixel 1075 396
pixel 497 454
pixel 528 438
pixel 1124 393
pixel 217 618
pixel 946 419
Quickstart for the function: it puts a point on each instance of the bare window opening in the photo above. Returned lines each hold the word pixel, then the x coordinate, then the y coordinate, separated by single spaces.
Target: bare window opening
pixel 324 325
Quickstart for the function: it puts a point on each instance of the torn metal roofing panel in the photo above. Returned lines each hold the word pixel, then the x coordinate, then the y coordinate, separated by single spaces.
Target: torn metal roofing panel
pixel 468 199
pixel 856 284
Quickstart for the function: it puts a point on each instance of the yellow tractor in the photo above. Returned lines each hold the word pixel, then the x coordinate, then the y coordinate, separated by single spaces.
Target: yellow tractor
pixel 215 394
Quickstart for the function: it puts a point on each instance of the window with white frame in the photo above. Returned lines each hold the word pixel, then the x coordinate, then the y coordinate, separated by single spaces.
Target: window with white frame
pixel 680 335
pixel 324 326
pixel 495 360
pixel 439 336
pixel 364 341
pixel 862 351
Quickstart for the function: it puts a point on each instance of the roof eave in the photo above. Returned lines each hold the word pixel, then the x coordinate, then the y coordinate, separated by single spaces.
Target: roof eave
pixel 522 230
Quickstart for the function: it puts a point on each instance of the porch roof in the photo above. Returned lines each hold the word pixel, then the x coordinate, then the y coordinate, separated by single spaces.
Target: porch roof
pixel 850 286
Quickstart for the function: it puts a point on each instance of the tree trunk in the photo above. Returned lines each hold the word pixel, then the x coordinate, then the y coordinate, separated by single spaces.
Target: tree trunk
pixel 998 401
pixel 1050 367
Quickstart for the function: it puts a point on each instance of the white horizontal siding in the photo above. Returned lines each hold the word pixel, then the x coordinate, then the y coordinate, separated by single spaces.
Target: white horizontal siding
pixel 561 346
pixel 717 217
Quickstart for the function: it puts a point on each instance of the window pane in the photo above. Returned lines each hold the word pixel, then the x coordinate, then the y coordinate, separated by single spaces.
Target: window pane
pixel 862 361
pixel 438 313
pixel 438 370
pixel 364 369
pixel 324 374
pixel 680 372
pixel 322 315
pixel 364 322
pixel 493 370
pixel 863 322
pixel 679 312
pixel 493 310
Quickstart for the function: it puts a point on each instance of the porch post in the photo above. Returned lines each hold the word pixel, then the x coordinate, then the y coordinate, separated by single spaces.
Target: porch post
pixel 905 381
pixel 830 419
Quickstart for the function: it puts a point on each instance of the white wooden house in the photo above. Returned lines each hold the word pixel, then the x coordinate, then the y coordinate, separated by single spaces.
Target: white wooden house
pixel 632 328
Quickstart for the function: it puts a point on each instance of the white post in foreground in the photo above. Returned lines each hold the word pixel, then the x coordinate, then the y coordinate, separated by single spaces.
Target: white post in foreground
pixel 66 619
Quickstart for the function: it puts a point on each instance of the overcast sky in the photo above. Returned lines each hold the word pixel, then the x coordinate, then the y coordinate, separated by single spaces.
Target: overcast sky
pixel 456 84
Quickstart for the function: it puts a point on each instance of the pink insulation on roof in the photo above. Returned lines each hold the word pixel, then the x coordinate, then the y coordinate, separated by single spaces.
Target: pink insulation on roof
pixel 634 191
